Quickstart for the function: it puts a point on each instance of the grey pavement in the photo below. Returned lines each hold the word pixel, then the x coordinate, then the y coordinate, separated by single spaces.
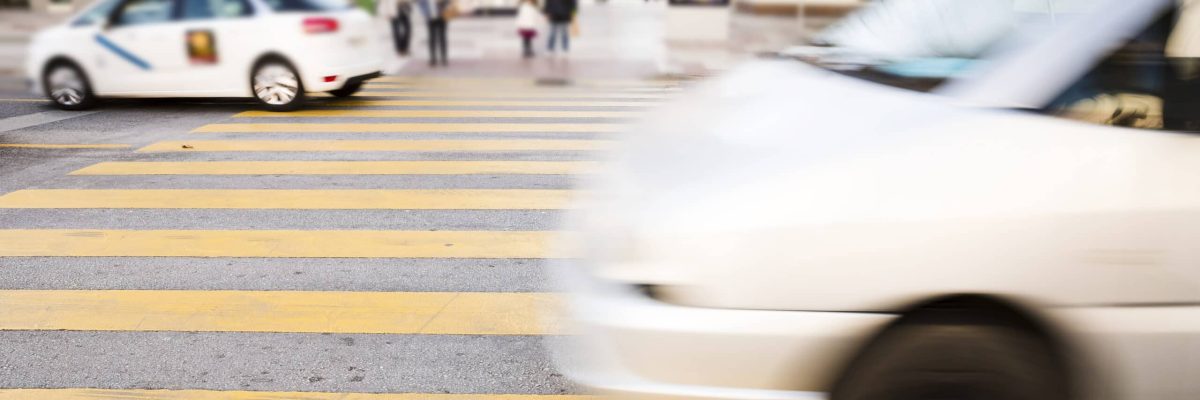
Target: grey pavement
pixel 351 274
pixel 280 362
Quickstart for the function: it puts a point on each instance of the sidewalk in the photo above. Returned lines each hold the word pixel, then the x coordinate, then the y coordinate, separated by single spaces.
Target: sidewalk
pixel 16 28
pixel 617 38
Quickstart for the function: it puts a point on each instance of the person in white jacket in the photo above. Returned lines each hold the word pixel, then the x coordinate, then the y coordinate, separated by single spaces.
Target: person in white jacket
pixel 528 19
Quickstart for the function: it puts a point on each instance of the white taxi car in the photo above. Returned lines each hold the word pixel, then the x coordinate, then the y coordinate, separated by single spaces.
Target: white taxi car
pixel 812 230
pixel 271 50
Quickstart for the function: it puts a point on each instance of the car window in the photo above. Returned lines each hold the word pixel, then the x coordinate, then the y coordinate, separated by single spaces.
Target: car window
pixel 308 5
pixel 205 9
pixel 136 12
pixel 922 44
pixel 96 14
pixel 1150 82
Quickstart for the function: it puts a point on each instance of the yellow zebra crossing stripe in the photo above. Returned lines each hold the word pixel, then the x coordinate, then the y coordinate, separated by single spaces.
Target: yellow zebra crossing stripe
pixel 296 199
pixel 438 114
pixel 486 103
pixel 520 87
pixel 407 128
pixel 62 146
pixel 437 313
pixel 142 394
pixel 273 243
pixel 338 168
pixel 493 82
pixel 377 145
pixel 501 94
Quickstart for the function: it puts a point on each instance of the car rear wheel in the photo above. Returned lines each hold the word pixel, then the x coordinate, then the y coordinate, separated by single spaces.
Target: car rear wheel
pixel 277 86
pixel 346 91
pixel 955 361
pixel 68 87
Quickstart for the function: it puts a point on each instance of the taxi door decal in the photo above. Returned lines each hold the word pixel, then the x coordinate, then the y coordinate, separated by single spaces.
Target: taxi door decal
pixel 127 56
pixel 201 46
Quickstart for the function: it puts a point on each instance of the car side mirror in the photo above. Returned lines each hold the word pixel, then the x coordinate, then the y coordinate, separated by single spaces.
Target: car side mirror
pixel 109 22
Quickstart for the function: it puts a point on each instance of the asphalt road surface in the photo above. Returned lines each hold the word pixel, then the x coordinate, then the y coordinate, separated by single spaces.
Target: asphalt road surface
pixel 394 243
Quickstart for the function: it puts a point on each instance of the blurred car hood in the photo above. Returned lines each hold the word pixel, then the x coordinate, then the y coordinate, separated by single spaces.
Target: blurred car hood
pixel 777 155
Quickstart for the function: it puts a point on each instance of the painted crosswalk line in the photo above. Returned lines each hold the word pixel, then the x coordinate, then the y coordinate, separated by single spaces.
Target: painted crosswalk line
pixel 447 313
pixel 502 82
pixel 295 199
pixel 338 168
pixel 144 394
pixel 500 94
pixel 521 87
pixel 274 243
pixel 376 145
pixel 437 114
pixel 431 127
pixel 487 103
pixel 63 146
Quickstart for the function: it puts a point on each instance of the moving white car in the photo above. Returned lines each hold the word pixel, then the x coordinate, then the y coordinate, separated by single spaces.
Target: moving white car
pixel 1025 231
pixel 271 50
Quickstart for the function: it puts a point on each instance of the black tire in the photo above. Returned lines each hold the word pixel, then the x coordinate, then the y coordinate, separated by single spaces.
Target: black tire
pixel 346 91
pixel 77 95
pixel 276 85
pixel 934 361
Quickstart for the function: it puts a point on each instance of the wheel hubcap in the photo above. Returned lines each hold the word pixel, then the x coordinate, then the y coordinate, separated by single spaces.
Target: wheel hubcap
pixel 66 86
pixel 276 84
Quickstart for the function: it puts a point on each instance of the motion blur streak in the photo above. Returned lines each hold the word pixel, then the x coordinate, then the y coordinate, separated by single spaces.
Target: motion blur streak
pixel 869 217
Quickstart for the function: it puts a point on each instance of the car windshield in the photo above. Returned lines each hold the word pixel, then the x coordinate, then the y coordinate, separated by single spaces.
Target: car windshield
pixel 308 5
pixel 97 13
pixel 919 44
pixel 1147 76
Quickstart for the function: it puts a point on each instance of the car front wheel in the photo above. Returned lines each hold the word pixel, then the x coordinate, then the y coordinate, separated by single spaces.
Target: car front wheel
pixel 955 361
pixel 68 87
pixel 277 86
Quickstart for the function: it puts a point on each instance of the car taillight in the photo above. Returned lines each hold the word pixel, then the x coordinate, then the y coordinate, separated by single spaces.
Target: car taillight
pixel 320 25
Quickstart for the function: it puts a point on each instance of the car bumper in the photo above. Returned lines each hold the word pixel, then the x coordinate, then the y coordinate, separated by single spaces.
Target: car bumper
pixel 635 347
pixel 315 82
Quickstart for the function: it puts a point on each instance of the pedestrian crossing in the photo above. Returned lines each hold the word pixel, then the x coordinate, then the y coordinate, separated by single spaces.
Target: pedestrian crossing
pixel 279 311
pixel 62 146
pixel 488 103
pixel 338 168
pixel 425 146
pixel 273 243
pixel 413 239
pixel 438 114
pixel 408 127
pixel 517 87
pixel 491 82
pixel 488 94
pixel 108 394
pixel 298 199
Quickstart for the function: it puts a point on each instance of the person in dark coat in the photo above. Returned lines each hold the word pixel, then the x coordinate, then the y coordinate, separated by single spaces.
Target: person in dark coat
pixel 434 12
pixel 396 12
pixel 560 13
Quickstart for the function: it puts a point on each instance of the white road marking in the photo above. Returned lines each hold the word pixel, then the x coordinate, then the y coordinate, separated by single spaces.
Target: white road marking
pixel 45 117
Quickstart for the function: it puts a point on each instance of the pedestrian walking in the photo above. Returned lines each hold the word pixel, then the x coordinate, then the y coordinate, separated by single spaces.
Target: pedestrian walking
pixel 560 13
pixel 397 13
pixel 434 12
pixel 528 19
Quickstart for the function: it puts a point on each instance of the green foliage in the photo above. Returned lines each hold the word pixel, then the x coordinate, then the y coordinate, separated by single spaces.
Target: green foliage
pixel 368 5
